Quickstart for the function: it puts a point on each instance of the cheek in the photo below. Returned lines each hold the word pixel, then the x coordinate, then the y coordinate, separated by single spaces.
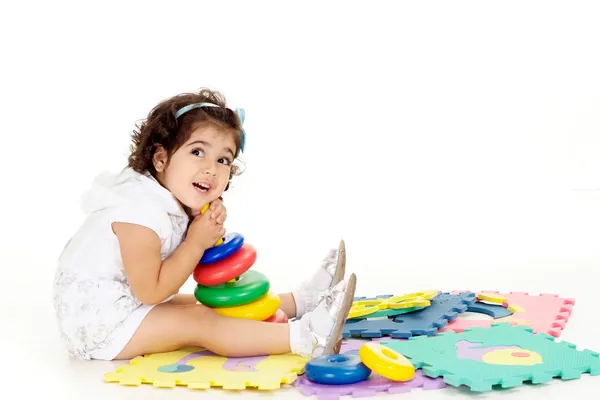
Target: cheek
pixel 224 178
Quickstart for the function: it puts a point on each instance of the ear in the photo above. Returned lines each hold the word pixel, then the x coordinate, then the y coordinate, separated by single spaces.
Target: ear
pixel 160 159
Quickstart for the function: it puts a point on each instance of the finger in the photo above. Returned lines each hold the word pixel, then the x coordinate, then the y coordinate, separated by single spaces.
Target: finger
pixel 221 218
pixel 214 204
pixel 219 211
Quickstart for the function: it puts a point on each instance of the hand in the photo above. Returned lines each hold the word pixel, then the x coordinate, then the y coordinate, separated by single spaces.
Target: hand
pixel 218 211
pixel 204 231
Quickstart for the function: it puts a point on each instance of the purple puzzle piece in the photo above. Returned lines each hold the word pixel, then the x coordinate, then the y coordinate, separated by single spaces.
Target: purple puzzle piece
pixel 353 344
pixel 370 387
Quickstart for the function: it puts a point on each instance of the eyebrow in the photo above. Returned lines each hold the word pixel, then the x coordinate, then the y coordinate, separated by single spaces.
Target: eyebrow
pixel 208 145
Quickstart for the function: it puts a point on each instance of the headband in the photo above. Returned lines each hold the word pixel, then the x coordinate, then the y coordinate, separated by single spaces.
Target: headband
pixel 239 111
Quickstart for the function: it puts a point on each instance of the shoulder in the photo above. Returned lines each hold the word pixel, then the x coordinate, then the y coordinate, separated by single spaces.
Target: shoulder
pixel 134 198
pixel 140 213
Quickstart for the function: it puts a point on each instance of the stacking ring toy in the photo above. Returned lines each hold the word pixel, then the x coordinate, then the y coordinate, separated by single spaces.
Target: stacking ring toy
pixel 231 243
pixel 260 310
pixel 251 286
pixel 386 362
pixel 337 369
pixel 227 269
pixel 279 317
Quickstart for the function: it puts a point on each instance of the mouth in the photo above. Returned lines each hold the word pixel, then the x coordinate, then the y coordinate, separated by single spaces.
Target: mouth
pixel 202 187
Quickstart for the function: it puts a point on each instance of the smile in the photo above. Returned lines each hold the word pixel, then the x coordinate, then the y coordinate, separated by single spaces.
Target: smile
pixel 202 187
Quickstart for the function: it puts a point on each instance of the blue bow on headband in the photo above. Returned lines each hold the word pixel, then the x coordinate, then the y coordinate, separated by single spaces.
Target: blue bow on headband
pixel 239 111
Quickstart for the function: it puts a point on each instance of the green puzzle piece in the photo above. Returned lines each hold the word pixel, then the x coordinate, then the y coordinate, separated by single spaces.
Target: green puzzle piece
pixel 503 355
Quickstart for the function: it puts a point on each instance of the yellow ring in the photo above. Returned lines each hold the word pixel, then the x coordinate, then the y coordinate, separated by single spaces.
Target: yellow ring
pixel 259 310
pixel 386 362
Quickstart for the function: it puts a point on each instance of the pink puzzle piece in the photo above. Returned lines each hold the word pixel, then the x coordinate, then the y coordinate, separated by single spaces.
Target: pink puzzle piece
pixel 547 313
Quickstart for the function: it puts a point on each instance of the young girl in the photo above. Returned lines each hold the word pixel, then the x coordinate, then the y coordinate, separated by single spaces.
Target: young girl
pixel 117 282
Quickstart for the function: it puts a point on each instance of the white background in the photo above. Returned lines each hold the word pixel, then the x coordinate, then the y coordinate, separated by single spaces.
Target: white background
pixel 453 145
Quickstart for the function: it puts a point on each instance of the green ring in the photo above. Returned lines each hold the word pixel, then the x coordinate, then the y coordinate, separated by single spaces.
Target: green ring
pixel 251 286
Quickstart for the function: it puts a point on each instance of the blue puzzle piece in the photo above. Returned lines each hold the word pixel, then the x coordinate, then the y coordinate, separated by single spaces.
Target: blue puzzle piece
pixel 493 310
pixel 383 296
pixel 444 307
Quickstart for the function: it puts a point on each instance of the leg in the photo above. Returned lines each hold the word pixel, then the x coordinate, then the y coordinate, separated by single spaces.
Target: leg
pixel 288 304
pixel 170 327
pixel 183 299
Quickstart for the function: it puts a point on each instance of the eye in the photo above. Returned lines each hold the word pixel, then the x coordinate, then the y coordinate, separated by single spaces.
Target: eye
pixel 198 152
pixel 225 161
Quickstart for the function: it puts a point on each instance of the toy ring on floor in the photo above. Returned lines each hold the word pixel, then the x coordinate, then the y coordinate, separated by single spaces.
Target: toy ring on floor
pixel 251 286
pixel 278 318
pixel 227 269
pixel 386 362
pixel 363 308
pixel 232 243
pixel 337 369
pixel 260 310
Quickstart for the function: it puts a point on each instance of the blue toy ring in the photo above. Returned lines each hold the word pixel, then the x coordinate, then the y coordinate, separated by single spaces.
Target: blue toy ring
pixel 337 369
pixel 231 243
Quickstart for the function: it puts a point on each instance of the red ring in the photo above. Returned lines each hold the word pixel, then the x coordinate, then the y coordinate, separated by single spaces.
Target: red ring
pixel 226 269
pixel 279 317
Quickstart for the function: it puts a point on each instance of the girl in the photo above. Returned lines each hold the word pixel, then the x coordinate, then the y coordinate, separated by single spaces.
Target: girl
pixel 117 281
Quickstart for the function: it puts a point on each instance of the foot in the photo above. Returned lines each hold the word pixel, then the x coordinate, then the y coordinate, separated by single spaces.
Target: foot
pixel 319 332
pixel 329 274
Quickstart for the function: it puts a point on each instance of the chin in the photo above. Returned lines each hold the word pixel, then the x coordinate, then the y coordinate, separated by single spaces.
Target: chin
pixel 198 203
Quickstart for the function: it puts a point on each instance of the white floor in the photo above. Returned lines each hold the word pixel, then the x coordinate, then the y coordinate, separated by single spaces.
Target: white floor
pixel 35 362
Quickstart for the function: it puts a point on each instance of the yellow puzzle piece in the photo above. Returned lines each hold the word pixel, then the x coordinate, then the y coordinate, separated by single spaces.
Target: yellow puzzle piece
pixel 362 308
pixel 197 368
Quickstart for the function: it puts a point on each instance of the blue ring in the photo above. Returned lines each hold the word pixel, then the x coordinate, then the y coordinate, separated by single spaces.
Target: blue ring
pixel 232 242
pixel 337 369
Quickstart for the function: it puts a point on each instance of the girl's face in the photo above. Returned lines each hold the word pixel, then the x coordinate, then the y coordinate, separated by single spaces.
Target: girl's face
pixel 198 171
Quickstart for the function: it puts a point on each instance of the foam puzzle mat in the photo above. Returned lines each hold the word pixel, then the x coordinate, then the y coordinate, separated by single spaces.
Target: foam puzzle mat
pixel 503 354
pixel 197 368
pixel 444 307
pixel 368 388
pixel 544 313
pixel 375 384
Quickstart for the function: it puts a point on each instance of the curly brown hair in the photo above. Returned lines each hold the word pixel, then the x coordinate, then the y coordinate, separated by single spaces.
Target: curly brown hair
pixel 161 128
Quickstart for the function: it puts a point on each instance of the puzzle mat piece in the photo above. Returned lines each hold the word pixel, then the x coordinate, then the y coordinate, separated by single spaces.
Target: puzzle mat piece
pixel 370 387
pixel 503 355
pixel 197 368
pixel 545 313
pixel 387 312
pixel 376 383
pixel 444 307
pixel 352 344
pixel 493 310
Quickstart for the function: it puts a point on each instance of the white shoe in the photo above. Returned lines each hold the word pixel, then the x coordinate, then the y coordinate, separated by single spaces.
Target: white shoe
pixel 335 263
pixel 319 332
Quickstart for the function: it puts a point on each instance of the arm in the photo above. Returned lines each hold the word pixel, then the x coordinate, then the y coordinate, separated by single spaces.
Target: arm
pixel 152 280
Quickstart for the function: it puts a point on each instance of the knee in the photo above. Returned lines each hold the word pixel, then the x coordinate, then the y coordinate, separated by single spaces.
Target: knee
pixel 201 313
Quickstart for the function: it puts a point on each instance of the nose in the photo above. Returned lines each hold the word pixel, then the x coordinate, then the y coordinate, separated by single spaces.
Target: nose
pixel 210 168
